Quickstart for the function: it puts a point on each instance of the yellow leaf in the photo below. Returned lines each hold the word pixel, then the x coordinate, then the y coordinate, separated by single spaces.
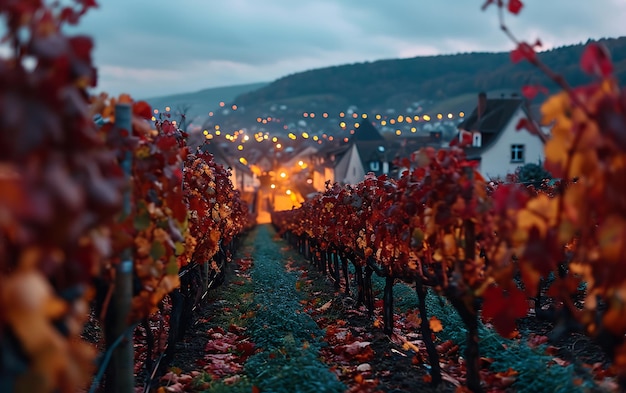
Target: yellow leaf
pixel 611 239
pixel 407 345
pixel 449 245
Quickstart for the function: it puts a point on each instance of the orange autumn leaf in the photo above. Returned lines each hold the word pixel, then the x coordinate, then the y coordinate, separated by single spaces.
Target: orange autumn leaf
pixel 410 346
pixel 435 324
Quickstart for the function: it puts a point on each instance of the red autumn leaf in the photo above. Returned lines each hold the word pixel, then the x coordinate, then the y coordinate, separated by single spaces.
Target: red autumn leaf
pixel 245 349
pixel 542 252
pixel 596 60
pixel 69 15
pixel 531 91
pixel 142 109
pixel 515 6
pixel 166 142
pixel 503 308
pixel 523 52
pixel 81 47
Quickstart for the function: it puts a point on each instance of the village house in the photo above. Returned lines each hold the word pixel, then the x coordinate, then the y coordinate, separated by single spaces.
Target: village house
pixel 498 146
pixel 368 151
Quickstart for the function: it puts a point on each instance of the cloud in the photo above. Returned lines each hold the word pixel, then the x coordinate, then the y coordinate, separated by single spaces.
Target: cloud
pixel 156 47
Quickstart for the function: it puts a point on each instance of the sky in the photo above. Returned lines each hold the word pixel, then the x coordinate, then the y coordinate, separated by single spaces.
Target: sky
pixel 151 48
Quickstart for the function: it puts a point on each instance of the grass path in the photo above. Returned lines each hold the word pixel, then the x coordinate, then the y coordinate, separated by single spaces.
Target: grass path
pixel 289 338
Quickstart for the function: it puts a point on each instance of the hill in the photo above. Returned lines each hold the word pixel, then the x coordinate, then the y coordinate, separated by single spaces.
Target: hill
pixel 375 86
pixel 199 103
pixel 415 86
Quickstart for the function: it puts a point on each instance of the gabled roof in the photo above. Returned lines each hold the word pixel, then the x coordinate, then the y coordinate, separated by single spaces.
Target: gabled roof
pixel 366 132
pixel 496 116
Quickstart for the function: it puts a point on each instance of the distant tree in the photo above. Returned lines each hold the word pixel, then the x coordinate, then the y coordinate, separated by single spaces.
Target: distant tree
pixel 181 115
pixel 533 174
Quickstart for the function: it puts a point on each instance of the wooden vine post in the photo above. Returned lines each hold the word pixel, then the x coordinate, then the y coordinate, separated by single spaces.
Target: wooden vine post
pixel 120 371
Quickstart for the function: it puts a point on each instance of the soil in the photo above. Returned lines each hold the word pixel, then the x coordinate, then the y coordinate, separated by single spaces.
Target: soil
pixel 392 368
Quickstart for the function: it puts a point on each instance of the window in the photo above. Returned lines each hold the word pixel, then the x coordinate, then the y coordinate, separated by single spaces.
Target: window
pixel 374 166
pixel 517 153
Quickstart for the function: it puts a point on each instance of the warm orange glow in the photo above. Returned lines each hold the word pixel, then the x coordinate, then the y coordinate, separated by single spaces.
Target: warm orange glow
pixel 283 175
pixel 273 186
pixel 300 163
pixel 341 114
pixel 392 121
pixel 378 117
pixel 400 118
pixel 234 107
pixel 346 139
pixel 461 114
pixel 167 109
pixel 305 114
pixel 354 115
pixel 416 118
pixel 324 115
pixel 364 115
pixel 258 120
pixel 330 138
pixel 312 115
pixel 356 125
pixel 398 132
pixel 413 129
pixel 222 104
pixel 288 192
pixel 383 123
pixel 439 116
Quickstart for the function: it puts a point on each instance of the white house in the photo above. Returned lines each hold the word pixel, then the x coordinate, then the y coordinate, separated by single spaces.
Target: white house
pixel 496 143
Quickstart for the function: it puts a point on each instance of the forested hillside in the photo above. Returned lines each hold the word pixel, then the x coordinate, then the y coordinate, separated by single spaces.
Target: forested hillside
pixel 392 83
